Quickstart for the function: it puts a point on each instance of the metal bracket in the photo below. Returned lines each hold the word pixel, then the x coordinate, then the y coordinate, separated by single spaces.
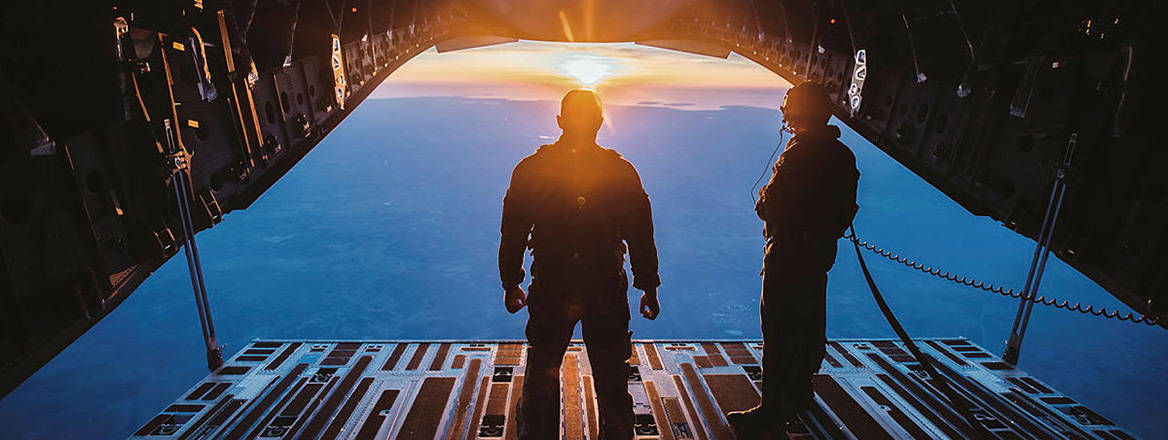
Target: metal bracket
pixel 177 161
pixel 211 206
pixel 1020 103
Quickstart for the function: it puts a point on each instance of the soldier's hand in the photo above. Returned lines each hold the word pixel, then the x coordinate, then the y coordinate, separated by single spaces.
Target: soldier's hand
pixel 515 299
pixel 650 308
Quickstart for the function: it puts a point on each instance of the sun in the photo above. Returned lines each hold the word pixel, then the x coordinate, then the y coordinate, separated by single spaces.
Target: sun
pixel 587 69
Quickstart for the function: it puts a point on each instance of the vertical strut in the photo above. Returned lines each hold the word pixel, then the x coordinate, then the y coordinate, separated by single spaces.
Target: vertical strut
pixel 813 47
pixel 1038 260
pixel 183 189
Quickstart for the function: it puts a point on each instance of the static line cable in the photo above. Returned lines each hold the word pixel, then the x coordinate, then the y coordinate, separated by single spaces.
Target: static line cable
pixel 939 381
pixel 921 78
pixel 786 22
pixel 1057 303
pixel 292 40
pixel 328 7
pixel 848 22
pixel 757 19
pixel 961 27
pixel 813 47
pixel 770 163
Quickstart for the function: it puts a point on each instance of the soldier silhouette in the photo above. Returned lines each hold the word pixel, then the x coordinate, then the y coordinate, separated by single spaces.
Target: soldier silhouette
pixel 808 203
pixel 576 205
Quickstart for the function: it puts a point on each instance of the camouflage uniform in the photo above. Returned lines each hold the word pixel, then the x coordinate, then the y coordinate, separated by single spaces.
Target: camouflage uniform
pixel 580 204
pixel 808 203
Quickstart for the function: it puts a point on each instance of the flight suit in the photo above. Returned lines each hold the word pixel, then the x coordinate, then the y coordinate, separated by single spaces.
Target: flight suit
pixel 579 204
pixel 807 205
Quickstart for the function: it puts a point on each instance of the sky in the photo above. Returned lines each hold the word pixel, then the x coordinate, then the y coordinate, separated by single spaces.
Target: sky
pixel 621 73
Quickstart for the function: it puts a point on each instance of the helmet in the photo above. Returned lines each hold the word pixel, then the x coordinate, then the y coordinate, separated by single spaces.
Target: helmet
pixel 806 104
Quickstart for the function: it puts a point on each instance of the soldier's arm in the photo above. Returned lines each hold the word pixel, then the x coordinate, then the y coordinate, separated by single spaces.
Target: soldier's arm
pixel 792 181
pixel 516 227
pixel 765 193
pixel 637 229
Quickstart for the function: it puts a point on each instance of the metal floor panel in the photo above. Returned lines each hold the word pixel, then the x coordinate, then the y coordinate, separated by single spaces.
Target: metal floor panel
pixel 866 389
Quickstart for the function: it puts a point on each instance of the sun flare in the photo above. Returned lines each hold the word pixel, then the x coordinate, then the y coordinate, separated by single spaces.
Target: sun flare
pixel 587 69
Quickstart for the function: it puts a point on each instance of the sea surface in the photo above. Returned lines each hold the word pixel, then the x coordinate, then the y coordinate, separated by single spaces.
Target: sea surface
pixel 389 229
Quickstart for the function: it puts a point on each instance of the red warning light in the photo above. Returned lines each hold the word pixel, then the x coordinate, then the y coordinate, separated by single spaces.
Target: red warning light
pixel 354 10
pixel 832 21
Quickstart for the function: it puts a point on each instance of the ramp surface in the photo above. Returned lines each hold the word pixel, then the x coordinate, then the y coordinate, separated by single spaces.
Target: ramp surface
pixel 866 389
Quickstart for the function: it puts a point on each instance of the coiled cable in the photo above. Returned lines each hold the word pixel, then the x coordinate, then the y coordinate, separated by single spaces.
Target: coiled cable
pixel 1057 303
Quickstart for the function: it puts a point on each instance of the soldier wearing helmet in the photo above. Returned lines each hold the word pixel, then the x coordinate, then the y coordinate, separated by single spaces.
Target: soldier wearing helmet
pixel 806 206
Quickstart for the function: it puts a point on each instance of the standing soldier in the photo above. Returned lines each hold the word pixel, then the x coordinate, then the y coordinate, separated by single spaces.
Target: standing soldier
pixel 579 203
pixel 808 203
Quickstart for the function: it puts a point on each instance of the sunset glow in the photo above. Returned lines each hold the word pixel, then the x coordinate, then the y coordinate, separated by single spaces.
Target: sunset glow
pixel 622 73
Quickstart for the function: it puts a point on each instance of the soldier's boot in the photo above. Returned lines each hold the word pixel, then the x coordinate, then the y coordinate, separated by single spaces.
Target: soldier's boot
pixel 613 399
pixel 539 405
pixel 756 424
pixel 747 424
pixel 609 347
